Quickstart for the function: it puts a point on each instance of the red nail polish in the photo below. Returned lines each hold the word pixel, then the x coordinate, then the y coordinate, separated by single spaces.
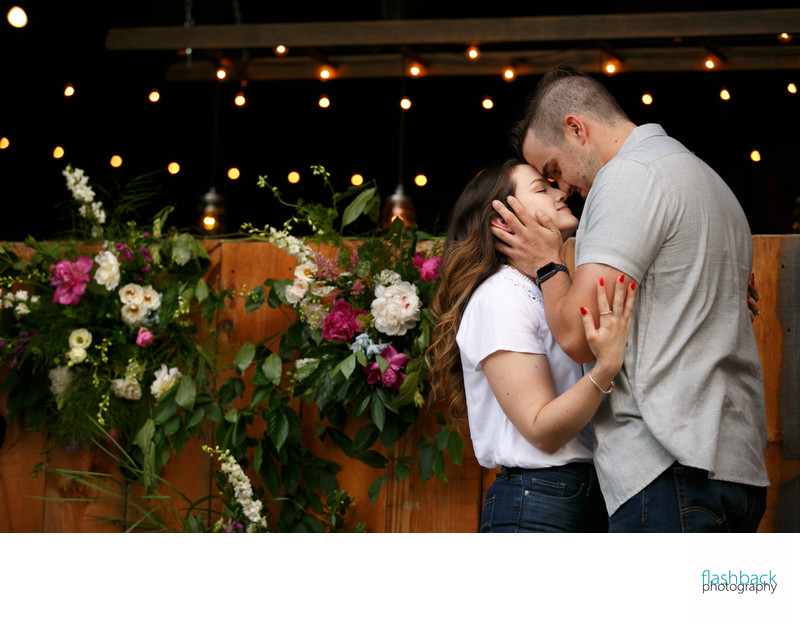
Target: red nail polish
pixel 602 284
pixel 622 278
pixel 583 309
pixel 633 285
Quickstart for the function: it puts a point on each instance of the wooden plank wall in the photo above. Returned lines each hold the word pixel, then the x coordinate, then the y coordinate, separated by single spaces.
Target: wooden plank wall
pixel 406 506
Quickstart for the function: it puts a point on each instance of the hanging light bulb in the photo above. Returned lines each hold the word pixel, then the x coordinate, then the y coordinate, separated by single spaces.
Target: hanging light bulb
pixel 58 153
pixel 785 37
pixel 509 74
pixel 647 98
pixel 415 70
pixel 212 212
pixel 154 96
pixel 325 73
pixel 709 63
pixel 17 17
pixel 487 103
pixel 611 66
pixel 792 88
pixel 69 90
pixel 173 168
pixel 222 73
pixel 240 100
pixel 473 53
pixel 281 50
pixel 405 103
pixel 116 161
pixel 398 207
pixel 324 101
pixel 4 143
pixel 724 94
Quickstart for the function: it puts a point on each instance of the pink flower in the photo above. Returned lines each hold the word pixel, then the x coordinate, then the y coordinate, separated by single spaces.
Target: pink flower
pixel 393 378
pixel 70 280
pixel 342 323
pixel 428 268
pixel 144 337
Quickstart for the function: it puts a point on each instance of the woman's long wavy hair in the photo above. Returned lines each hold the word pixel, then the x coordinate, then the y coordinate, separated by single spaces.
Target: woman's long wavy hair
pixel 468 258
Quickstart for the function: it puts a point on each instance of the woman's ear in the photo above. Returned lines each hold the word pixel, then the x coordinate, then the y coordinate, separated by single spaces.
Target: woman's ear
pixel 500 224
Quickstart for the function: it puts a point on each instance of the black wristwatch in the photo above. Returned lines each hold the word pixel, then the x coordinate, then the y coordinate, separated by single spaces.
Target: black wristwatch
pixel 543 273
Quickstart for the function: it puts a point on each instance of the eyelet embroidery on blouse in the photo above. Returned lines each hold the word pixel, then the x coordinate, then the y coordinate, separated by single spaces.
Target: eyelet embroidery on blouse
pixel 520 280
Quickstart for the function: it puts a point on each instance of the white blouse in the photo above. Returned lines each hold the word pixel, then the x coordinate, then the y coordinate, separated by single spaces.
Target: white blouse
pixel 506 312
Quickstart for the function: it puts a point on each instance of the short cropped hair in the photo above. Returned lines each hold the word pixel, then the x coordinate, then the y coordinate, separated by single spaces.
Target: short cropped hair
pixel 563 90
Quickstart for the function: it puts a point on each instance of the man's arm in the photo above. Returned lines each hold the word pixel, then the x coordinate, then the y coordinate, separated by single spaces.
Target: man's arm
pixel 532 242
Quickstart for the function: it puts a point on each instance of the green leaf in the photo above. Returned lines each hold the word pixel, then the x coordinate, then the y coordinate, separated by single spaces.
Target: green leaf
pixel 362 204
pixel 307 368
pixel 187 392
pixel 232 415
pixel 171 426
pixel 365 437
pixel 378 413
pixel 347 366
pixel 196 418
pixel 255 299
pixel 272 369
pixel 245 356
pixel 278 427
pixel 144 440
pixel 425 458
pixel 372 459
pixel 201 291
pixel 375 488
pixel 455 447
pixel 441 438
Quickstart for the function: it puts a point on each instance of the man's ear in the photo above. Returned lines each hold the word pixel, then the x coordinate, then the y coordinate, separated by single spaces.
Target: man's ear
pixel 500 224
pixel 575 128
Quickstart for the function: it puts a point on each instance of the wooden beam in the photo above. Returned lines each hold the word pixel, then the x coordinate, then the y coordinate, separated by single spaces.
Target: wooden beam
pixel 533 62
pixel 459 31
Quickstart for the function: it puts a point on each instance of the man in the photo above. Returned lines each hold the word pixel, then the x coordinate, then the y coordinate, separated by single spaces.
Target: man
pixel 680 442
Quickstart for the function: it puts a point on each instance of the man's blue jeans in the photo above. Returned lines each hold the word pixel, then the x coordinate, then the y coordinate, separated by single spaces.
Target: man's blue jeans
pixel 684 499
pixel 566 498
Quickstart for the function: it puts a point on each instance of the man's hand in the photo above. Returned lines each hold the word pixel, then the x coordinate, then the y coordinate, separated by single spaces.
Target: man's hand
pixel 530 242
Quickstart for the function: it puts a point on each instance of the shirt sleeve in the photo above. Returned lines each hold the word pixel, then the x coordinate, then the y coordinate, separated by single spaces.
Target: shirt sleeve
pixel 626 219
pixel 503 318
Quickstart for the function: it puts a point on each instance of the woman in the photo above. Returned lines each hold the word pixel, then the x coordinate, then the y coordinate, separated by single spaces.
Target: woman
pixel 493 357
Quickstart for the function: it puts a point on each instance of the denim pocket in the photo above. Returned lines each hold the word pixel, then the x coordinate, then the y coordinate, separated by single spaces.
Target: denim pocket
pixel 552 489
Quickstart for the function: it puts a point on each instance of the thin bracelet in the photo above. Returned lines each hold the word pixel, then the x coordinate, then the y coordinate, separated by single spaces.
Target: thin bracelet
pixel 610 388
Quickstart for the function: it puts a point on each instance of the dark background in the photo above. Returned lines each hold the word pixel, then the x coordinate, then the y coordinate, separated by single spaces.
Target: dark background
pixel 447 134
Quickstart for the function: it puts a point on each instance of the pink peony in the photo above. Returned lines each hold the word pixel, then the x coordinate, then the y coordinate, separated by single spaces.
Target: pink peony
pixel 70 280
pixel 342 323
pixel 144 337
pixel 428 268
pixel 393 378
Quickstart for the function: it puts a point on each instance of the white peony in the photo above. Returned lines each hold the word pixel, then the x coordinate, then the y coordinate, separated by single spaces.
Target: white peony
pixel 131 294
pixel 396 308
pixel 305 271
pixel 76 354
pixel 151 298
pixel 133 314
pixel 296 291
pixel 165 378
pixel 127 389
pixel 80 338
pixel 60 380
pixel 107 273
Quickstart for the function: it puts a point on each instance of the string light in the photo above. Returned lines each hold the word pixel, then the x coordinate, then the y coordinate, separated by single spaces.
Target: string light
pixel 293 177
pixel 724 94
pixel 509 74
pixel 222 74
pixel 709 63
pixel 325 73
pixel 58 153
pixel 647 98
pixel 233 173
pixel 154 96
pixel 17 17
pixel 785 37
pixel 755 155
pixel 281 50
pixel 240 100
pixel 116 161
pixel 792 88
pixel 4 143
pixel 173 168
pixel 610 67
pixel 415 70
pixel 324 101
pixel 69 90
pixel 357 179
pixel 487 103
pixel 473 53
pixel 421 179
pixel 405 103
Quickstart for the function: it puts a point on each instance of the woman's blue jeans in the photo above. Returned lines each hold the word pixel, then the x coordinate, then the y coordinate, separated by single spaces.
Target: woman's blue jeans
pixel 566 498
pixel 685 499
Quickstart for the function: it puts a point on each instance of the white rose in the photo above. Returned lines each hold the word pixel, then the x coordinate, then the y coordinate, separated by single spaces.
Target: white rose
pixel 21 309
pixel 131 294
pixel 296 291
pixel 107 273
pixel 60 380
pixel 80 338
pixel 151 299
pixel 127 389
pixel 165 378
pixel 305 271
pixel 396 308
pixel 320 289
pixel 76 354
pixel 133 314
pixel 21 295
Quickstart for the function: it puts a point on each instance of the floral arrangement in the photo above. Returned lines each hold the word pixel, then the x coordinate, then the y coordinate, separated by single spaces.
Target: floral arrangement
pixel 96 328
pixel 362 327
